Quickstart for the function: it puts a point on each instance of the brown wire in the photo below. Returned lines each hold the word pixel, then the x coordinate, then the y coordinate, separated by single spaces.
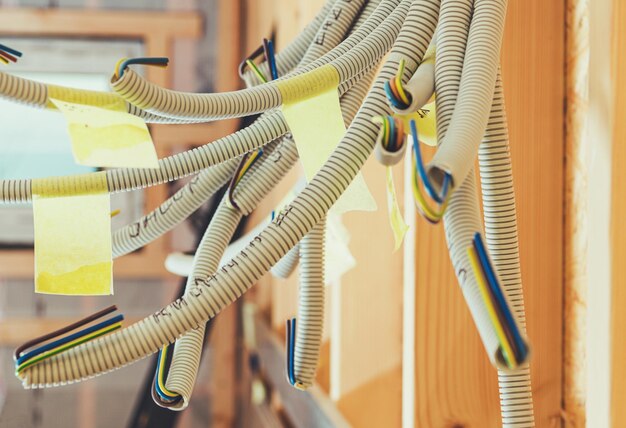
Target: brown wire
pixel 63 330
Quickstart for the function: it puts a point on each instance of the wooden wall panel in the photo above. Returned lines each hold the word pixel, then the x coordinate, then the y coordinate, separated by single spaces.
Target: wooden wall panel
pixel 454 381
pixel 618 227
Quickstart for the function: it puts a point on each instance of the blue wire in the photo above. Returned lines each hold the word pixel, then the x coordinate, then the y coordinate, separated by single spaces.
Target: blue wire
pixel 391 144
pixel 161 394
pixel 68 339
pixel 291 340
pixel 497 292
pixel 142 61
pixel 392 98
pixel 11 51
pixel 272 60
pixel 422 172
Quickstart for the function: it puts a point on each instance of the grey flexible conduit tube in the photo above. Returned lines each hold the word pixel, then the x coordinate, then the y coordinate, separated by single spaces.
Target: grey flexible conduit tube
pixel 251 138
pixel 285 266
pixel 462 218
pixel 496 179
pixel 469 118
pixel 173 211
pixel 188 349
pixel 233 279
pixel 259 180
pixel 369 42
pixel 310 325
pixel 38 94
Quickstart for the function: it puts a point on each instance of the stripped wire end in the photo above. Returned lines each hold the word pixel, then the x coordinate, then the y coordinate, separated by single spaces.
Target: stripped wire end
pixel 433 215
pixel 390 143
pixel 513 347
pixel 270 57
pixel 24 358
pixel 9 55
pixel 391 134
pixel 123 64
pixel 397 96
pixel 248 160
pixel 291 346
pixel 161 395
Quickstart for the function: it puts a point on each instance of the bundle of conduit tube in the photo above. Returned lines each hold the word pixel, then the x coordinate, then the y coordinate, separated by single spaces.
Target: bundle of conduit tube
pixel 449 48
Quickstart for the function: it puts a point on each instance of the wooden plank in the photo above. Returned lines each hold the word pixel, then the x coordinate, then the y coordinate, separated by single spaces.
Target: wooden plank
pixel 533 73
pixel 366 335
pixel 455 384
pixel 576 233
pixel 618 228
pixel 99 23
pixel 229 45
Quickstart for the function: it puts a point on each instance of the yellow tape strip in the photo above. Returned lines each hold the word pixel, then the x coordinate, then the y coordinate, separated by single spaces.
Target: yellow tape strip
pixel 72 235
pixel 396 221
pixel 108 136
pixel 430 55
pixel 311 84
pixel 83 96
pixel 313 113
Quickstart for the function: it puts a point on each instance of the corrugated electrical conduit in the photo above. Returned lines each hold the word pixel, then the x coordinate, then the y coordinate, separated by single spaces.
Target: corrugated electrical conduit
pixel 233 279
pixel 278 157
pixel 251 138
pixel 498 197
pixel 471 111
pixel 38 94
pixel 302 362
pixel 350 58
pixel 462 219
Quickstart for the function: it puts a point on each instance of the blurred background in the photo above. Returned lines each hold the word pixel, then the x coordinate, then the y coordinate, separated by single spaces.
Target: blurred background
pixel 399 347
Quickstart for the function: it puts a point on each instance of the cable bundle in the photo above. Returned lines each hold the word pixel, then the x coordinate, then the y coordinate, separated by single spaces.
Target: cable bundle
pixel 8 55
pixel 462 75
pixel 514 349
pixel 54 343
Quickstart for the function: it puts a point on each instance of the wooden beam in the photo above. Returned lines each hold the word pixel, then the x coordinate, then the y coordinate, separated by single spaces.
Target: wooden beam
pixel 618 226
pixel 576 233
pixel 454 383
pixel 98 23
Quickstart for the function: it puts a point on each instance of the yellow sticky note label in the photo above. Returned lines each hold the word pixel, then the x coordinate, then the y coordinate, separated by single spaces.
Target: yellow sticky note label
pixel 73 252
pixel 396 221
pixel 425 119
pixel 313 113
pixel 82 96
pixel 108 136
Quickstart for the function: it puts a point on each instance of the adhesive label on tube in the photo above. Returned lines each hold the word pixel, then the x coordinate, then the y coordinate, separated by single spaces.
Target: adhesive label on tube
pixel 73 251
pixel 398 226
pixel 313 113
pixel 107 135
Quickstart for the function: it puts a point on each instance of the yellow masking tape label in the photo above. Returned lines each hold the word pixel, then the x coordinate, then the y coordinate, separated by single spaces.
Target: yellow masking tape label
pixel 108 136
pixel 426 124
pixel 313 113
pixel 429 56
pixel 72 235
pixel 82 96
pixel 398 226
